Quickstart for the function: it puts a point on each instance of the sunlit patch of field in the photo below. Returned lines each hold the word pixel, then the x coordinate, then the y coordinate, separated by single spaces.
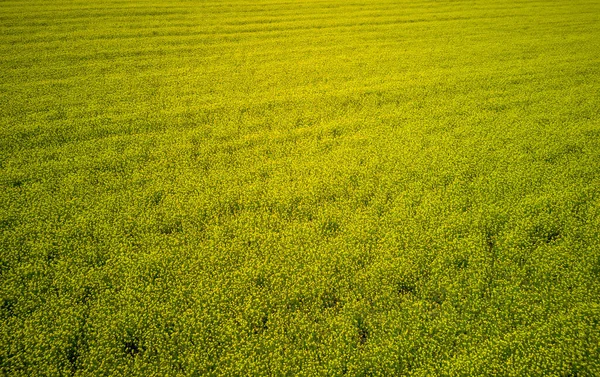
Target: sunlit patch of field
pixel 317 187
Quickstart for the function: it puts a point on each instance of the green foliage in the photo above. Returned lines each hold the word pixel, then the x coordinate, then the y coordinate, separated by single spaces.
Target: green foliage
pixel 305 188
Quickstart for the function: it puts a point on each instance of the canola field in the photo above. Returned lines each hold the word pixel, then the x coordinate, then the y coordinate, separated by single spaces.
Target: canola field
pixel 300 188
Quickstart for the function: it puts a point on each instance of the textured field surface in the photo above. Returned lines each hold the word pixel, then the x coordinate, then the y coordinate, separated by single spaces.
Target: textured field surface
pixel 239 188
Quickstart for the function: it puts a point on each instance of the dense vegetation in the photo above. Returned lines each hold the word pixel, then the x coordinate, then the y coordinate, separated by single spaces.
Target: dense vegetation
pixel 320 187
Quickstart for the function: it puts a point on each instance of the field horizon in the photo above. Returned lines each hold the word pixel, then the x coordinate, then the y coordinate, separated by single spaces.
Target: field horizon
pixel 319 187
